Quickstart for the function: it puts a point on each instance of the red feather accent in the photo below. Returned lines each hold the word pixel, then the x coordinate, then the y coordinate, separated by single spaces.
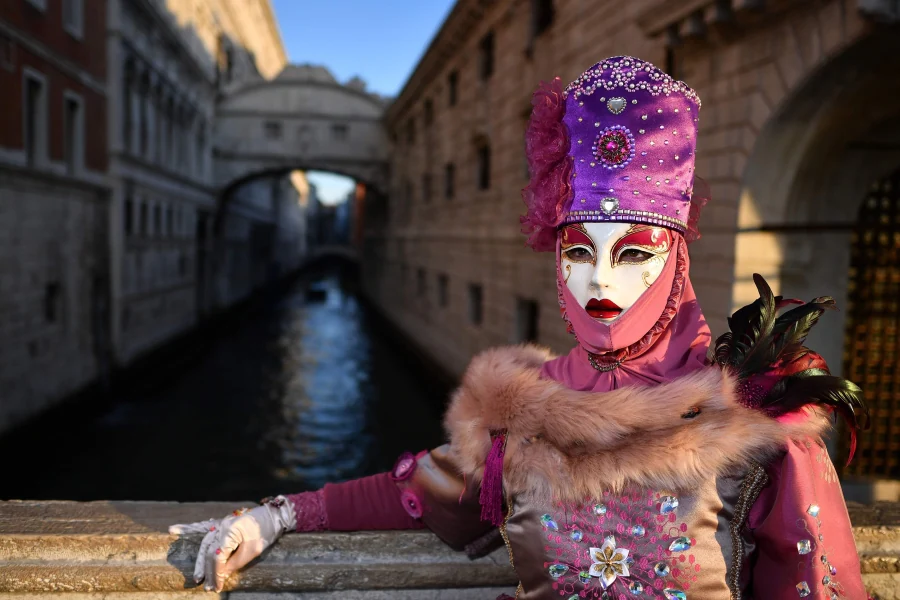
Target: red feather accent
pixel 776 373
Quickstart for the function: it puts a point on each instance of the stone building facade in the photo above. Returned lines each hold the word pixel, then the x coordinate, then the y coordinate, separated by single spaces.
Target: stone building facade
pixel 169 60
pixel 109 211
pixel 262 235
pixel 54 202
pixel 244 31
pixel 799 122
pixel 162 95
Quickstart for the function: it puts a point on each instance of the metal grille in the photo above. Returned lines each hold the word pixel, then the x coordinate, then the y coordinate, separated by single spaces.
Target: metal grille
pixel 871 349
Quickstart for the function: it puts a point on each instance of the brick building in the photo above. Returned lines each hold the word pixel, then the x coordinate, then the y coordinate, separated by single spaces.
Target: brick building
pixel 54 201
pixel 798 139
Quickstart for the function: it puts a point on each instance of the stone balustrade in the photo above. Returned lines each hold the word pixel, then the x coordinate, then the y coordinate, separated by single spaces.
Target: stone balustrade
pixel 121 551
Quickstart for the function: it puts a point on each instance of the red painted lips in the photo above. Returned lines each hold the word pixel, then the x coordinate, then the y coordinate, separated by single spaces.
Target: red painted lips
pixel 602 309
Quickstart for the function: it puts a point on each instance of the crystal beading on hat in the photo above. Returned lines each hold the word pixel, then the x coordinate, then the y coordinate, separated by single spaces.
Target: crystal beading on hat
pixel 631 132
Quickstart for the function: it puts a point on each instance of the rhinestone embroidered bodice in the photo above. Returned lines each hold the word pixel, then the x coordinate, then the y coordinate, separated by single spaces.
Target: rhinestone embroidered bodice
pixel 634 543
pixel 638 544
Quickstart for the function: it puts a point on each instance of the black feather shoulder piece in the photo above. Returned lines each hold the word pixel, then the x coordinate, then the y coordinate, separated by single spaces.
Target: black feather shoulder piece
pixel 776 373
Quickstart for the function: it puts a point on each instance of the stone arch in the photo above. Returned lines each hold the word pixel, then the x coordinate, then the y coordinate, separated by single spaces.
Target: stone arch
pixel 822 144
pixel 371 177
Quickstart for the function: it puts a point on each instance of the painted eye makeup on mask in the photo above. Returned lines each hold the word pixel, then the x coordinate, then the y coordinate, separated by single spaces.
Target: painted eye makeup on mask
pixel 640 245
pixel 577 246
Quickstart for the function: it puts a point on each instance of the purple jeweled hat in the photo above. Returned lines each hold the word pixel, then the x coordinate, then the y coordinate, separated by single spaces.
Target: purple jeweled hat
pixel 624 153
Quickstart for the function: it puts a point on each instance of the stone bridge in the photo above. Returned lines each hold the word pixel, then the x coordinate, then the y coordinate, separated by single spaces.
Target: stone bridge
pixel 302 119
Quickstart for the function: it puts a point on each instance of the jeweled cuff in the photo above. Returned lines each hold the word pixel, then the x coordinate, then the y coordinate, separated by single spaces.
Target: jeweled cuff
pixel 309 510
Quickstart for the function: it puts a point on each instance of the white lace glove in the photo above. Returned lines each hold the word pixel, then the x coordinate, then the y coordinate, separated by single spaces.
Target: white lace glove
pixel 231 543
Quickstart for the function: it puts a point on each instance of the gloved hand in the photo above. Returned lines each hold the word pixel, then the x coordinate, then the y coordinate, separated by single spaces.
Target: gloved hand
pixel 231 543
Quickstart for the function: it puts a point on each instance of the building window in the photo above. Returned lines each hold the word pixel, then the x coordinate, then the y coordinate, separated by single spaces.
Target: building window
pixel 35 119
pixel 486 52
pixel 484 166
pixel 52 292
pixel 160 127
pixel 127 92
pixel 7 54
pixel 407 199
pixel 671 62
pixel 452 84
pixel 272 130
pixel 73 17
pixel 201 150
pixel 179 222
pixel 526 321
pixel 157 220
pixel 167 156
pixel 128 216
pixel 51 302
pixel 143 115
pixel 429 113
pixel 442 285
pixel 449 177
pixel 541 16
pixel 421 282
pixel 143 227
pixel 339 132
pixel 410 131
pixel 170 221
pixel 475 304
pixel 73 138
pixel 426 187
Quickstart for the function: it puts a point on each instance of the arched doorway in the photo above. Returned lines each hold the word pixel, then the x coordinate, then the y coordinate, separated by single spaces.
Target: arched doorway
pixel 872 344
pixel 811 165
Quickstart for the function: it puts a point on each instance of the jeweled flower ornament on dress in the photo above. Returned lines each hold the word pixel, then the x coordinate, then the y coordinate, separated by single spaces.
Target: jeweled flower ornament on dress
pixel 609 562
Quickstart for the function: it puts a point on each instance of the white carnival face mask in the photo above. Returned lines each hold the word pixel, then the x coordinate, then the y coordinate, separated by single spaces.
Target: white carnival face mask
pixel 607 266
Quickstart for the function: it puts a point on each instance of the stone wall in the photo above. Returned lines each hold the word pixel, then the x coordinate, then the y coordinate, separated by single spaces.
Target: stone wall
pixel 54 294
pixel 120 551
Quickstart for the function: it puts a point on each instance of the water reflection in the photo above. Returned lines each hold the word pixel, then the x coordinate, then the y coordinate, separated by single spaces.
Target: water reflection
pixel 294 392
pixel 325 386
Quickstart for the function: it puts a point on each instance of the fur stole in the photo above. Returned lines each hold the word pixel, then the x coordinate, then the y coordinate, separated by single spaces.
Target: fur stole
pixel 568 445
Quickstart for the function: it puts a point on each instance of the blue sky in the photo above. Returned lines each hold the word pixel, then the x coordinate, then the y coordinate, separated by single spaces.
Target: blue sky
pixel 380 41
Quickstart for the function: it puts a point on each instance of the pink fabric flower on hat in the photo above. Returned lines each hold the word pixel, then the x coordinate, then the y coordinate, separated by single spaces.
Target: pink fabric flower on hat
pixel 547 150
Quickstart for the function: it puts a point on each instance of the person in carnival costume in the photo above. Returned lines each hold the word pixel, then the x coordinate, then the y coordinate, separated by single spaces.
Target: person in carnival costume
pixel 643 463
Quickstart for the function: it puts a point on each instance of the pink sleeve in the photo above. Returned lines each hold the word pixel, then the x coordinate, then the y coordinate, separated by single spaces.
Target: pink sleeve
pixel 370 503
pixel 426 490
pixel 805 546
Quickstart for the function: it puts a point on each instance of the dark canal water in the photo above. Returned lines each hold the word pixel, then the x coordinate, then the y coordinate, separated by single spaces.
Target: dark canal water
pixel 297 390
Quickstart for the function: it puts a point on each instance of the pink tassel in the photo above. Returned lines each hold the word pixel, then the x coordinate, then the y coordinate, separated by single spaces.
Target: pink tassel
pixel 491 498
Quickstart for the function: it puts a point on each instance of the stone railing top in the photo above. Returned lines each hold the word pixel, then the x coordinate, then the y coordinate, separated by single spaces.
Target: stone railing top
pixel 116 547
pixel 51 548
